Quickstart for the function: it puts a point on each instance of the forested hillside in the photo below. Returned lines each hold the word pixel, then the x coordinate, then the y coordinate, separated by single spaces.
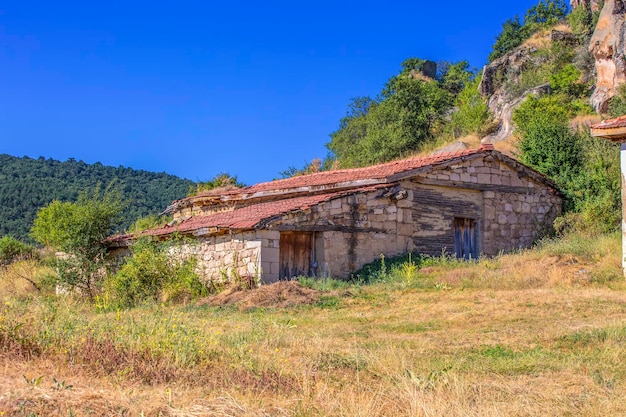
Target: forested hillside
pixel 28 184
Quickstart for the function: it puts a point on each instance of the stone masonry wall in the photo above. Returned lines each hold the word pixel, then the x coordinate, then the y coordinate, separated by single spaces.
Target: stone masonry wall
pixel 225 257
pixel 516 209
pixel 515 221
pixel 366 225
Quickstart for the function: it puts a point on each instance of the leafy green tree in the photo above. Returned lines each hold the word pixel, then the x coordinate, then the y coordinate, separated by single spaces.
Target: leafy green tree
pixel 79 230
pixel 346 142
pixel 454 77
pixel 581 21
pixel 394 125
pixel 28 184
pixel 546 13
pixel 513 34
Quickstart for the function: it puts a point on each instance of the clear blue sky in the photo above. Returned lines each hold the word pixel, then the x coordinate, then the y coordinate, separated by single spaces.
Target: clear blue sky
pixel 197 88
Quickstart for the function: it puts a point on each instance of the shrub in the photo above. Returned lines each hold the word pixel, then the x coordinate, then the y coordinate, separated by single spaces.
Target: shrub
pixel 581 21
pixel 473 112
pixel 152 274
pixel 148 222
pixel 585 169
pixel 566 81
pixel 12 249
pixel 617 105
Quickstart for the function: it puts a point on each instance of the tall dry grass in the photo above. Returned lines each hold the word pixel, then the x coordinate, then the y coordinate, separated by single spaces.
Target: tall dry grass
pixel 537 333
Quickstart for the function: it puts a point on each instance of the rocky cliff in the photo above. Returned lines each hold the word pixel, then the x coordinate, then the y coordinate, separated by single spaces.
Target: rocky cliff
pixel 593 4
pixel 608 47
pixel 504 88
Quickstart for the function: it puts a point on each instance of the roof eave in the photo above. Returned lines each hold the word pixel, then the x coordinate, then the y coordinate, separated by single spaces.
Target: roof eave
pixel 614 134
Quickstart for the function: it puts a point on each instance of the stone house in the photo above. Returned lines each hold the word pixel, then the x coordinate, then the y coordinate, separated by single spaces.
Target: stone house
pixel 465 203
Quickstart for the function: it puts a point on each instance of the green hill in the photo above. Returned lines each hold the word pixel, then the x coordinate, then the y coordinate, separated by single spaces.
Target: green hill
pixel 27 184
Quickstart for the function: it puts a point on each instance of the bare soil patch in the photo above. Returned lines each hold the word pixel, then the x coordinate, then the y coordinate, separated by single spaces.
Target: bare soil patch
pixel 279 294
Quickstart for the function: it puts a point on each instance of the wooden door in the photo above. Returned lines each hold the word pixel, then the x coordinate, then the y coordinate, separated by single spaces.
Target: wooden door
pixel 295 255
pixel 465 238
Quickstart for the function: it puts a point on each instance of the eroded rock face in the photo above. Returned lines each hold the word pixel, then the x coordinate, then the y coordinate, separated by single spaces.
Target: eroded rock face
pixel 608 48
pixel 594 4
pixel 499 84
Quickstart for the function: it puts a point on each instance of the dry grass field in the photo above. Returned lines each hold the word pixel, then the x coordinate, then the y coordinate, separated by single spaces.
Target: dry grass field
pixel 537 333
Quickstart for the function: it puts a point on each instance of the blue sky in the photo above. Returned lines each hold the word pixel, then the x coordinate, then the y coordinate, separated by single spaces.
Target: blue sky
pixel 198 88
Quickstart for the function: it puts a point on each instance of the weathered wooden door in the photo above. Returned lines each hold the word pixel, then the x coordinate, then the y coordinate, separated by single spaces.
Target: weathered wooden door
pixel 465 238
pixel 295 254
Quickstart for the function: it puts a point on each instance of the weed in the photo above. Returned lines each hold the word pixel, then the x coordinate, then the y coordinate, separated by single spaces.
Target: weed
pixel 329 301
pixel 61 385
pixel 604 381
pixel 429 382
pixel 33 381
pixel 325 284
pixel 595 337
pixel 331 360
pixel 497 351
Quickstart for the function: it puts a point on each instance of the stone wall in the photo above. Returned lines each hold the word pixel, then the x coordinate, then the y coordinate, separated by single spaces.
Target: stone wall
pixel 514 221
pixel 356 229
pixel 513 210
pixel 225 257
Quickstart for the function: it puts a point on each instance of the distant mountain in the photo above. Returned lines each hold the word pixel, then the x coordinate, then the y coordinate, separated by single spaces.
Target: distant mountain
pixel 28 184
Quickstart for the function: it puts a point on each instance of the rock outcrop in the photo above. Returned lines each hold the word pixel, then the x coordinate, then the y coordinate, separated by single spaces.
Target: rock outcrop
pixel 503 86
pixel 594 4
pixel 608 48
pixel 499 85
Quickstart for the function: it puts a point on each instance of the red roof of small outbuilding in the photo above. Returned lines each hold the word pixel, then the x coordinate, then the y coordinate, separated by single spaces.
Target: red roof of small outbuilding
pixel 611 123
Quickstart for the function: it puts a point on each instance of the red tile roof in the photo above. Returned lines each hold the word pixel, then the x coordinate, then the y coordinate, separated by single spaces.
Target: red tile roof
pixel 611 123
pixel 325 178
pixel 247 217
pixel 323 183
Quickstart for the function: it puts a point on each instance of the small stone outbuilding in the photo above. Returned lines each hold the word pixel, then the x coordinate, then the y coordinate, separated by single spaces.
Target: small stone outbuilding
pixel 465 203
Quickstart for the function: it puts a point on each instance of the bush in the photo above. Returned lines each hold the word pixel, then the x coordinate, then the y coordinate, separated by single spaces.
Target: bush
pixel 617 105
pixel 12 250
pixel 566 80
pixel 586 169
pixel 151 274
pixel 581 22
pixel 473 112
pixel 148 222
